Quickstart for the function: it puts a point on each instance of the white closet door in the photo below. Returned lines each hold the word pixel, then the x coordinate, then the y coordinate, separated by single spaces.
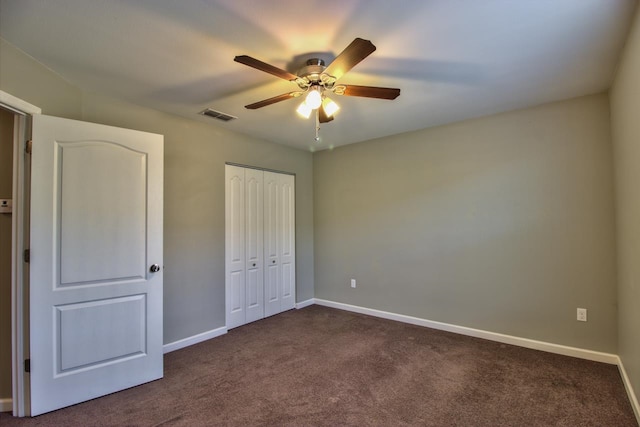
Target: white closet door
pixel 260 244
pixel 287 241
pixel 235 246
pixel 271 245
pixel 280 270
pixel 254 285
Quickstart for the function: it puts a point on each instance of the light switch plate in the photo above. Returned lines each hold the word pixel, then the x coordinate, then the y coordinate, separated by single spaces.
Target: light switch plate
pixel 6 205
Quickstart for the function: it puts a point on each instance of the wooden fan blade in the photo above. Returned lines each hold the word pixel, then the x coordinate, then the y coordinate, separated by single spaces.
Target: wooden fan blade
pixel 322 115
pixel 263 66
pixel 371 91
pixel 349 57
pixel 273 100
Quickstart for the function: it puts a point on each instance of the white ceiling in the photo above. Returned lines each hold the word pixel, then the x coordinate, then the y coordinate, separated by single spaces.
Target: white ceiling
pixel 452 59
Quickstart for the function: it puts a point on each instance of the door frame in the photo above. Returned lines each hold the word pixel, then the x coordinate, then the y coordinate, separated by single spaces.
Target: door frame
pixel 19 236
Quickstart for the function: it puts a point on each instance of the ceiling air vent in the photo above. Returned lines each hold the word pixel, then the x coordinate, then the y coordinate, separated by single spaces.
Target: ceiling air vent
pixel 210 112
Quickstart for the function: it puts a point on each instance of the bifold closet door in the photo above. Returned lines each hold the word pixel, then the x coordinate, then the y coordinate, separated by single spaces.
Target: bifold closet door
pixel 244 246
pixel 279 242
pixel 234 246
pixel 253 239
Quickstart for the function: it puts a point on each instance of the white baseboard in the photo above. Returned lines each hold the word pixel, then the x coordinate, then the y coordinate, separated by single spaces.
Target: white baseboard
pixel 195 339
pixel 304 304
pixel 478 333
pixel 6 405
pixel 627 385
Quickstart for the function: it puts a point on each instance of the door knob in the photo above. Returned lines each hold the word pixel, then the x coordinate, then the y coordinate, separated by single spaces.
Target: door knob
pixel 254 264
pixel 274 261
pixel 154 268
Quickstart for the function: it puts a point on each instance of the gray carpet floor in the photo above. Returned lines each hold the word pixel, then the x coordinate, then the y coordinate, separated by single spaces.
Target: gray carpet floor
pixel 325 367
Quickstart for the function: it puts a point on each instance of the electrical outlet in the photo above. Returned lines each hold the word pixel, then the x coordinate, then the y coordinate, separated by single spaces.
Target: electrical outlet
pixel 582 314
pixel 353 283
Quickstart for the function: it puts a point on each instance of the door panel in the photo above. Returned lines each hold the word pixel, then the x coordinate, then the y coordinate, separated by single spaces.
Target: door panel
pixel 287 243
pixel 254 285
pixel 235 246
pixel 287 288
pixel 236 291
pixel 91 324
pixel 94 195
pixel 96 227
pixel 272 295
pixel 271 230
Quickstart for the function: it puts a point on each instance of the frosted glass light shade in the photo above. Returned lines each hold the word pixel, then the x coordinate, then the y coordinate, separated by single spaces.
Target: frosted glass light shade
pixel 329 107
pixel 304 110
pixel 314 100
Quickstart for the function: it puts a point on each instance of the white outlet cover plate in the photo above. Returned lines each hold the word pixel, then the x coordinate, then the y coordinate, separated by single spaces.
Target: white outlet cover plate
pixel 582 314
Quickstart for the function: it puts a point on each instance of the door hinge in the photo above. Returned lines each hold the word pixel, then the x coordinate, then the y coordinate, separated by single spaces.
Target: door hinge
pixel 27 365
pixel 26 255
pixel 28 147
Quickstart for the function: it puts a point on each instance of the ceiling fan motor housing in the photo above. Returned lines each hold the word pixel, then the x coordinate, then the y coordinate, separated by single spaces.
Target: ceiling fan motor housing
pixel 312 74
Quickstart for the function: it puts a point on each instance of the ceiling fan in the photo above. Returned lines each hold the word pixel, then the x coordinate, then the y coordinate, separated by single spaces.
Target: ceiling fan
pixel 316 80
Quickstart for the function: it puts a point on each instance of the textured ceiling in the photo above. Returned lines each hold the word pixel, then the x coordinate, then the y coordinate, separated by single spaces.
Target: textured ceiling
pixel 453 60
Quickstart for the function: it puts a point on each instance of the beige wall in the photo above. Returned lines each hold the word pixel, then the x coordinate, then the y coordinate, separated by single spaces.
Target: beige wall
pixel 27 79
pixel 6 179
pixel 504 223
pixel 625 123
pixel 195 154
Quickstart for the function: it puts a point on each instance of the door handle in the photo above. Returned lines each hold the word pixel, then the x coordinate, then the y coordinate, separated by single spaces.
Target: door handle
pixel 154 268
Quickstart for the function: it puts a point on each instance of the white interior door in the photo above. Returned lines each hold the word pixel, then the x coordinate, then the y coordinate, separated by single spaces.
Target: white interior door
pixel 280 270
pixel 96 235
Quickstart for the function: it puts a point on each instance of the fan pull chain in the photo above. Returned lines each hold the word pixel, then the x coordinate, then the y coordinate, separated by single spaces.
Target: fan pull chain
pixel 318 124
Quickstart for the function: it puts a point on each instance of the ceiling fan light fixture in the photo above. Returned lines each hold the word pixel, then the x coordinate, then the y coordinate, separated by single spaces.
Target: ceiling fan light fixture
pixel 315 79
pixel 314 99
pixel 304 110
pixel 330 107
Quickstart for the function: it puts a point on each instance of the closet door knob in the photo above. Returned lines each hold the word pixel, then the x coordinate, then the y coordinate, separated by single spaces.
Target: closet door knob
pixel 274 261
pixel 254 264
